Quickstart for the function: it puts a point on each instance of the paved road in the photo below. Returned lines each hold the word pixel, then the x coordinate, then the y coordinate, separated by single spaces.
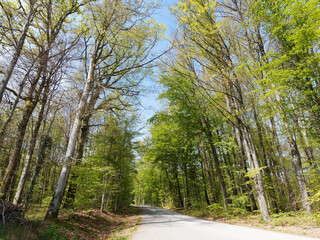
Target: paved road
pixel 160 224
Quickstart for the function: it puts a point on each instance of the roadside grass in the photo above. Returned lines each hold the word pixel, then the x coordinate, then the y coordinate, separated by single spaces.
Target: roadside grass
pixel 299 223
pixel 74 225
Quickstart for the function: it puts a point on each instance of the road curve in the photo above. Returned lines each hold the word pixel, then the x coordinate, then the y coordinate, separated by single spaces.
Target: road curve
pixel 160 224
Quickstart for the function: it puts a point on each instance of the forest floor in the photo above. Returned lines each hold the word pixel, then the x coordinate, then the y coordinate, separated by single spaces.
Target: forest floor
pixel 298 223
pixel 76 225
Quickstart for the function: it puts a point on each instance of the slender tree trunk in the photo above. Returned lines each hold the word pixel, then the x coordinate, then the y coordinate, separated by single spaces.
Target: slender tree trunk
pixel 45 144
pixel 204 179
pixel 257 178
pixel 56 201
pixel 291 195
pixel 15 156
pixel 170 185
pixel 71 194
pixel 246 188
pixel 245 136
pixel 297 166
pixel 307 148
pixel 208 173
pixel 217 164
pixel 102 203
pixel 32 145
pixel 267 166
pixel 187 190
pixel 296 161
pixel 30 105
pixel 176 176
pixel 108 200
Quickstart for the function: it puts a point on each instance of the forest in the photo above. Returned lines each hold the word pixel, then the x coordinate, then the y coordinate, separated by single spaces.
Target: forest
pixel 239 127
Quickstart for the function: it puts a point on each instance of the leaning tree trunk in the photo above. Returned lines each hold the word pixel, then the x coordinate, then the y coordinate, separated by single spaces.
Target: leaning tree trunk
pixel 307 148
pixel 296 161
pixel 257 176
pixel 273 196
pixel 297 166
pixel 245 186
pixel 207 173
pixel 27 113
pixel 71 194
pixel 8 71
pixel 56 201
pixel 45 143
pixel 217 164
pixel 292 198
pixel 245 137
pixel 32 146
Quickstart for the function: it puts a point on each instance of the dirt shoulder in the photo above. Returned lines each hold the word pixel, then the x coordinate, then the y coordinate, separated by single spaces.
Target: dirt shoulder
pixel 93 224
pixel 79 225
pixel 298 223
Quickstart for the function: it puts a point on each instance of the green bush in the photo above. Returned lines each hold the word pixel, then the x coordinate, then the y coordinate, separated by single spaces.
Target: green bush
pixel 216 210
pixel 52 233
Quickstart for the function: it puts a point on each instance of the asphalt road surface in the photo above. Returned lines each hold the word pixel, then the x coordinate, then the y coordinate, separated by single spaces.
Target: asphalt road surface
pixel 160 224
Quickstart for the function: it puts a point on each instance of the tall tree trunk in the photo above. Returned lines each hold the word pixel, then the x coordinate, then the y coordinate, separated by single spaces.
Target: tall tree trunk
pixel 30 105
pixel 45 144
pixel 204 179
pixel 297 166
pixel 246 188
pixel 207 172
pixel 102 203
pixel 257 176
pixel 235 104
pixel 15 156
pixel 71 193
pixel 264 157
pixel 217 164
pixel 292 198
pixel 32 145
pixel 14 160
pixel 307 148
pixel 170 185
pixel 296 160
pixel 176 176
pixel 56 201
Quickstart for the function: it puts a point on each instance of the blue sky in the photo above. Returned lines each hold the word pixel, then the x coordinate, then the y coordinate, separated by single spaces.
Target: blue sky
pixel 148 99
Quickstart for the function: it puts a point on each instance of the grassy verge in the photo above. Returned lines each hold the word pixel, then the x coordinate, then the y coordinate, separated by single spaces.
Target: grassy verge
pixel 299 223
pixel 80 225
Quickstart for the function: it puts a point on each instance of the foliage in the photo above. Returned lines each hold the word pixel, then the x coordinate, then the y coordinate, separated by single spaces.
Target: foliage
pixel 241 123
pixel 111 164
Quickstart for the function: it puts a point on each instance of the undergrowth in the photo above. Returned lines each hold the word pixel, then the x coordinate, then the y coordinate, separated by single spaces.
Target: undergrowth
pixel 78 225
pixel 216 211
pixel 33 231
